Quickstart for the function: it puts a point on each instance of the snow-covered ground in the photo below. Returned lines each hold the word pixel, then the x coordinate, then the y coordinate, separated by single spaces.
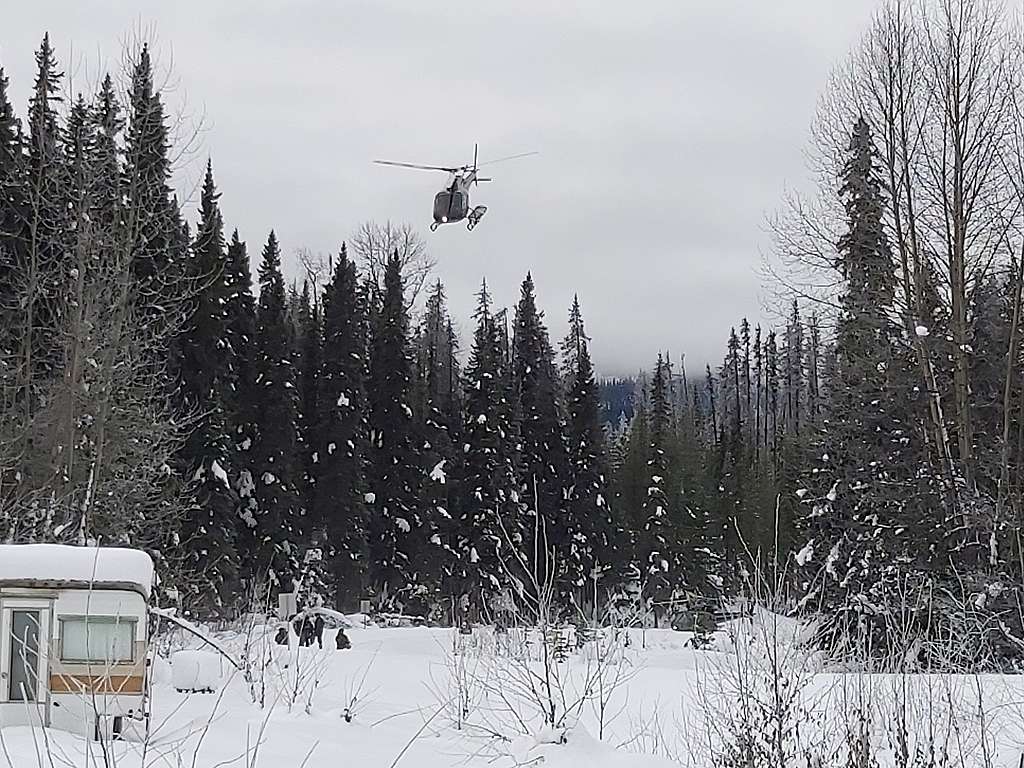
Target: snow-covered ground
pixel 403 696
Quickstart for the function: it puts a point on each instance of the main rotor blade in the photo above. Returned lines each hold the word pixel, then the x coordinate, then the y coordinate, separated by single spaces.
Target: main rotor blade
pixel 510 157
pixel 419 167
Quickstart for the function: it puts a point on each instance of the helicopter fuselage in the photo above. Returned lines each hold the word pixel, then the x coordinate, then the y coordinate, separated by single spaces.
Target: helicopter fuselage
pixel 451 204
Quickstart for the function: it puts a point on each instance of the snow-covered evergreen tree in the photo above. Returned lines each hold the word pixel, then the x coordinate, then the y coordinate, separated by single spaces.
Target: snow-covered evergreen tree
pixel 541 433
pixel 308 354
pixel 870 528
pixel 439 418
pixel 490 521
pixel 399 525
pixel 161 245
pixel 340 435
pixel 47 232
pixel 274 454
pixel 207 533
pixel 657 550
pixel 242 395
pixel 596 538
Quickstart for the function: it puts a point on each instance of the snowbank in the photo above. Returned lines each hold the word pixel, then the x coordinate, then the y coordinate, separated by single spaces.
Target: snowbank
pixel 195 671
pixel 59 564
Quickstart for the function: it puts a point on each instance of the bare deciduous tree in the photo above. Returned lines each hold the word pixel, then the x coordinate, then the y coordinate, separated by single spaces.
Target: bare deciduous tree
pixel 374 243
pixel 935 82
pixel 86 451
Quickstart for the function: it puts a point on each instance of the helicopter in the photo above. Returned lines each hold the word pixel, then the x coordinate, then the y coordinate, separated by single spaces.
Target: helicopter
pixel 451 204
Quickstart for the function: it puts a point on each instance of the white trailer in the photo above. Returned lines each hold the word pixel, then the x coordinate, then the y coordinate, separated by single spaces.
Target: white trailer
pixel 73 637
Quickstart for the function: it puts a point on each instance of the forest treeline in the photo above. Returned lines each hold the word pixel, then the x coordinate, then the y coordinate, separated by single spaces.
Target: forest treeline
pixel 862 461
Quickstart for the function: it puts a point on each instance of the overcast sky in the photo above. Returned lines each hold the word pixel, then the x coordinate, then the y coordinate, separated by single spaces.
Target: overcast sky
pixel 667 130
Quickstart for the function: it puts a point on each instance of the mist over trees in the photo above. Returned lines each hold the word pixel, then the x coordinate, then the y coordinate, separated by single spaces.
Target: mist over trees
pixel 335 436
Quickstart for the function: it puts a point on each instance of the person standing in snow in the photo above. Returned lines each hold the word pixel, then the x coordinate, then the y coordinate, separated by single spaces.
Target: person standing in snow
pixel 318 631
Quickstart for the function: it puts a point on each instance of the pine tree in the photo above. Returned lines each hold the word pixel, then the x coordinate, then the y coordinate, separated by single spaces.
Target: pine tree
pixel 398 524
pixel 274 454
pixel 340 436
pixel 536 385
pixel 205 371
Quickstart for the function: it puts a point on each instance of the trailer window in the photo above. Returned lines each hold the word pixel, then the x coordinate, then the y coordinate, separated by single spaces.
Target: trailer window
pixel 98 639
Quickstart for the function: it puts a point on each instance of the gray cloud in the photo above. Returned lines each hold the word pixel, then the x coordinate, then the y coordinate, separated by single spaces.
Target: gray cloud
pixel 667 130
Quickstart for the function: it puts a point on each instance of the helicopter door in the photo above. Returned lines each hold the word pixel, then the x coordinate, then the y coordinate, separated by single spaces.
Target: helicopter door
pixel 442 204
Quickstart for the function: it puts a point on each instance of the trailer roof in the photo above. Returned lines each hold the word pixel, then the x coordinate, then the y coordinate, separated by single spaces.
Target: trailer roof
pixel 61 566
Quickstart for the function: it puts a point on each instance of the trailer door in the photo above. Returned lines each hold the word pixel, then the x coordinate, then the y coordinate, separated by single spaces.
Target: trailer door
pixel 24 661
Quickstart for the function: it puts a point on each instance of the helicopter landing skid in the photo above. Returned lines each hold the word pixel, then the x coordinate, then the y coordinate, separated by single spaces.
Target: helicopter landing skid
pixel 474 216
pixel 434 225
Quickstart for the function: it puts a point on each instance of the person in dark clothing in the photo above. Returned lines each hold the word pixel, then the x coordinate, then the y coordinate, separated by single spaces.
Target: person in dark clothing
pixel 304 629
pixel 318 631
pixel 342 639
pixel 281 638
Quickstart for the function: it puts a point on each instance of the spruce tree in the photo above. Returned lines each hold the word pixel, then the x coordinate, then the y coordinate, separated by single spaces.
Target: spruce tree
pixel 771 375
pixel 108 124
pixel 793 373
pixel 205 371
pixel 869 526
pixel 657 544
pixel 13 217
pixel 274 455
pixel 316 581
pixel 489 527
pixel 308 359
pixel 439 426
pixel 729 481
pixel 631 478
pixel 242 396
pixel 595 536
pixel 159 249
pixel 398 523
pixel 544 462
pixel 759 392
pixel 340 433
pixel 79 141
pixel 44 269
pixel 12 213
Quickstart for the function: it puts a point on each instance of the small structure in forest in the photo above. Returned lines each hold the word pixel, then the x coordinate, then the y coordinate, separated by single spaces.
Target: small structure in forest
pixel 73 637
